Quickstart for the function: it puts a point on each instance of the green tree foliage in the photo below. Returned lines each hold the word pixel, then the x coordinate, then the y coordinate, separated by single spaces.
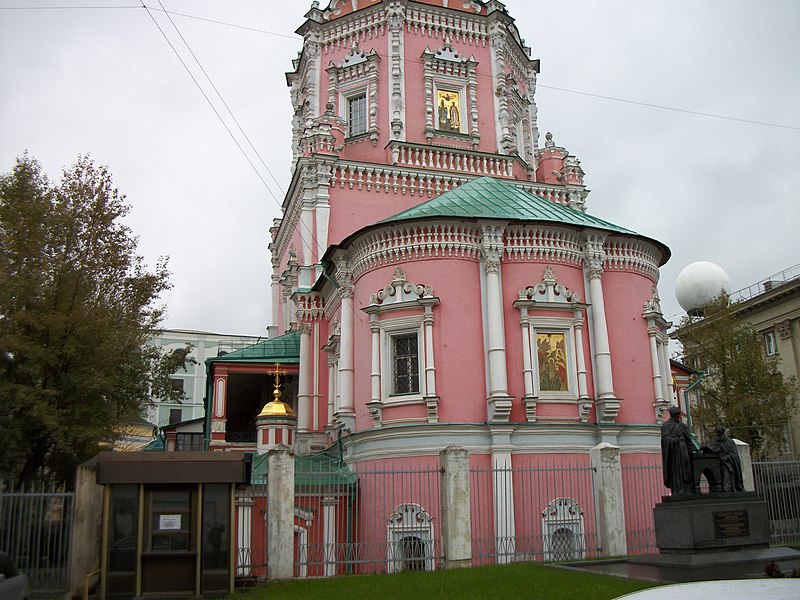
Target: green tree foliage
pixel 77 308
pixel 742 388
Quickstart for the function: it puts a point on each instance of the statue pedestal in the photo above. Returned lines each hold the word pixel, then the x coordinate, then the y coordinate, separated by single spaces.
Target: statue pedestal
pixel 711 523
pixel 700 530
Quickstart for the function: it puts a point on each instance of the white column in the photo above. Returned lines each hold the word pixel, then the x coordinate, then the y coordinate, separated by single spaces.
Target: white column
pixel 503 497
pixel 331 386
pixel 375 374
pixel 580 360
pixel 430 369
pixel 329 534
pixel 346 370
pixel 654 359
pixel 303 381
pixel 244 512
pixel 602 353
pixel 527 364
pixel 498 378
pixel 492 248
pixel 666 371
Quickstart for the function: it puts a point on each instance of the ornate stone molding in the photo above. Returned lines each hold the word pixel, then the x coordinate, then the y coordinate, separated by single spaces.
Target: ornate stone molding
pixel 395 14
pixel 593 255
pixel 542 243
pixel 400 290
pixel 784 329
pixel 414 241
pixel 310 307
pixel 357 66
pixel 628 254
pixel 549 290
pixel 607 410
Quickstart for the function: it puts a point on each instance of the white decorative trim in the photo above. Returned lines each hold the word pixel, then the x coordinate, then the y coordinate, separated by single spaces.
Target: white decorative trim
pixel 563 515
pixel 401 294
pixel 415 241
pixel 628 254
pixel 409 520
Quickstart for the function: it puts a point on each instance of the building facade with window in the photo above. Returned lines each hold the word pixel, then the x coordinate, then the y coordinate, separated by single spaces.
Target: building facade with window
pixel 438 275
pixel 192 380
pixel 772 307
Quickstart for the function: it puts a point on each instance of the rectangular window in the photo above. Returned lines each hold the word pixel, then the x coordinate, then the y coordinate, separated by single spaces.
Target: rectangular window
pixel 175 415
pixel 177 384
pixel 405 359
pixel 357 115
pixel 770 343
pixel 189 442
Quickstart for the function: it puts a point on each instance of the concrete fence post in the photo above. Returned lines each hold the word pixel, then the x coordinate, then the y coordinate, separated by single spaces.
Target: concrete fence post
pixel 455 502
pixel 747 465
pixel 280 513
pixel 86 527
pixel 609 500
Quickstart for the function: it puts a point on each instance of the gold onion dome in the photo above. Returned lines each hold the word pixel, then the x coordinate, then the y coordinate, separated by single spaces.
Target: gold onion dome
pixel 277 407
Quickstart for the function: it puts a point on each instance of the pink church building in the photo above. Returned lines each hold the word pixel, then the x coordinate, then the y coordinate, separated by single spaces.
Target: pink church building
pixel 438 281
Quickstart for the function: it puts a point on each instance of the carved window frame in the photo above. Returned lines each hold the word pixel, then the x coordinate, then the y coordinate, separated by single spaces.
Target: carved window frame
pixel 403 308
pixel 355 75
pixel 446 69
pixel 408 520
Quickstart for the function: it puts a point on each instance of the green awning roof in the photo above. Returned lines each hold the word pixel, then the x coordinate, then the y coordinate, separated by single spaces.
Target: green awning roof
pixel 282 349
pixel 488 198
pixel 313 471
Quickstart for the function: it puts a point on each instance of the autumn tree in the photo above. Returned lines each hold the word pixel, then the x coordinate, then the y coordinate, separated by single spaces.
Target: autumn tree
pixel 77 308
pixel 741 387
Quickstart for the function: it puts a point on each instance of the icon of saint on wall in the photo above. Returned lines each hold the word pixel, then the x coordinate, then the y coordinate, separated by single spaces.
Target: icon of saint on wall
pixel 449 111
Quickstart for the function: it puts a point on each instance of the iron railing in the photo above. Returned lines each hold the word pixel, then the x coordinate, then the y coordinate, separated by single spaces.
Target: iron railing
pixel 534 511
pixel 778 482
pixel 35 531
pixel 642 488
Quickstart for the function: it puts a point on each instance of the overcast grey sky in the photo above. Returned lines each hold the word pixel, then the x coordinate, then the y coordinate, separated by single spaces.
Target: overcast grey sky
pixel 105 81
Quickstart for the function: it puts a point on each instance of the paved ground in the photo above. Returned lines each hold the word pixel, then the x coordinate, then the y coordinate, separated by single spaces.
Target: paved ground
pixel 752 589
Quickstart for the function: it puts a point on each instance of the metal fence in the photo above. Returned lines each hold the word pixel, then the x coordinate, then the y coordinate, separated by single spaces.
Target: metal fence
pixel 779 484
pixel 35 531
pixel 642 489
pixel 368 519
pixel 535 511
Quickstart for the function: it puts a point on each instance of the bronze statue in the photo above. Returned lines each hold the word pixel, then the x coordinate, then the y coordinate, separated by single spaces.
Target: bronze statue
pixel 730 464
pixel 676 446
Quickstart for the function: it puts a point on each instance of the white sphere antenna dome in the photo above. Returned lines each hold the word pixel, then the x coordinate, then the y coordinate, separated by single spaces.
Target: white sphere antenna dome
pixel 699 284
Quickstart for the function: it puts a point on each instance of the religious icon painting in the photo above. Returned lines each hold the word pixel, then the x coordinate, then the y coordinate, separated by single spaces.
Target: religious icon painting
pixel 448 110
pixel 552 356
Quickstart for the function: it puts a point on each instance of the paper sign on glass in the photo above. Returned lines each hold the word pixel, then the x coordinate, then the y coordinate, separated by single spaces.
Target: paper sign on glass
pixel 169 522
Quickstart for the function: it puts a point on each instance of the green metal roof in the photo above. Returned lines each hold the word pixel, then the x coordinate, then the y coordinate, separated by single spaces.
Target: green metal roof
pixel 316 470
pixel 282 349
pixel 488 198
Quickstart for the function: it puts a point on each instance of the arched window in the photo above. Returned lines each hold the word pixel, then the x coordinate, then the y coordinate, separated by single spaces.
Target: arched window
pixel 410 537
pixel 562 530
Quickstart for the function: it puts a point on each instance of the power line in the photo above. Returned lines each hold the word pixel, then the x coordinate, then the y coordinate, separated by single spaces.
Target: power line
pixel 230 112
pixel 672 108
pixel 211 104
pixel 549 87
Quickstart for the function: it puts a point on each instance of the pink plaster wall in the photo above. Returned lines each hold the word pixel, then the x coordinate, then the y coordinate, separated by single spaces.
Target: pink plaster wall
pixel 458 341
pixel 625 292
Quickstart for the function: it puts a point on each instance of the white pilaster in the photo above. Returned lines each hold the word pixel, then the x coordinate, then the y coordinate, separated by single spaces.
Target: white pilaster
pixel 492 248
pixel 329 534
pixel 346 369
pixel 503 497
pixel 303 381
pixel 244 512
pixel 608 404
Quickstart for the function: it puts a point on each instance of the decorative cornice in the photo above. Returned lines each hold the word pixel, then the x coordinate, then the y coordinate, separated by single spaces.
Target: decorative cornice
pixel 629 254
pixel 542 243
pixel 414 241
pixel 400 290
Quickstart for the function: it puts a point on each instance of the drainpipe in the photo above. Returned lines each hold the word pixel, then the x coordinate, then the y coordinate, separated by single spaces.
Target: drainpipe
pixel 693 385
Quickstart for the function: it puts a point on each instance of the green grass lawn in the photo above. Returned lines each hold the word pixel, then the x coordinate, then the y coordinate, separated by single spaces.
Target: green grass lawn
pixel 522 580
